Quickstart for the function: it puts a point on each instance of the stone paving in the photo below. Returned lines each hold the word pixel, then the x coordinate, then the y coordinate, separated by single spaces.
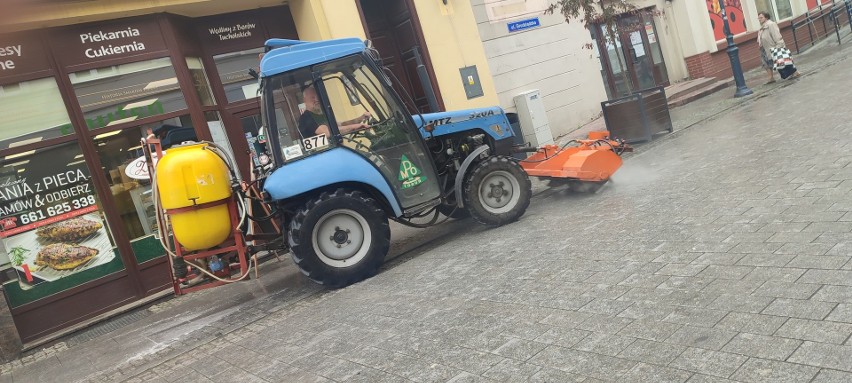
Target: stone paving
pixel 720 253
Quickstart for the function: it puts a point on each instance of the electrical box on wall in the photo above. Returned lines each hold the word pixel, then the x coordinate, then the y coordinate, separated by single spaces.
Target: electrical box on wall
pixel 533 118
pixel 470 80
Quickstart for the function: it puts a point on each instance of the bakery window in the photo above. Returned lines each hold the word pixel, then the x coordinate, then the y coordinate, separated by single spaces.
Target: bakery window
pixel 54 234
pixel 233 71
pixel 120 152
pixel 128 92
pixel 200 83
pixel 32 111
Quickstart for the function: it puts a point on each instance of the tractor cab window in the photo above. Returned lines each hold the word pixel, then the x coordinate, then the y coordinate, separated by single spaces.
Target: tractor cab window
pixel 371 121
pixel 286 110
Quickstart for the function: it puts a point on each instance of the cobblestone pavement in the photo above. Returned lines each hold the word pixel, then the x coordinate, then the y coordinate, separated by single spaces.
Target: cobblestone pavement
pixel 720 253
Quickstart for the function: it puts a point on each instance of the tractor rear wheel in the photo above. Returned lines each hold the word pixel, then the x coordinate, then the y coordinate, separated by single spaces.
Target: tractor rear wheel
pixel 339 238
pixel 497 192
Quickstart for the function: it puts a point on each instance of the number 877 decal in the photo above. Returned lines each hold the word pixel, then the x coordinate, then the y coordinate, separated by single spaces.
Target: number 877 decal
pixel 315 142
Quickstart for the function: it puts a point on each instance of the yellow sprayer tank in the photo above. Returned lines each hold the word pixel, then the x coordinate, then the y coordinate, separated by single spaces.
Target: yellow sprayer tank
pixel 193 175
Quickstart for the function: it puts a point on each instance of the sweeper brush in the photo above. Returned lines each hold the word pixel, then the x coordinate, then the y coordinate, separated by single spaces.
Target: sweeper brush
pixel 584 167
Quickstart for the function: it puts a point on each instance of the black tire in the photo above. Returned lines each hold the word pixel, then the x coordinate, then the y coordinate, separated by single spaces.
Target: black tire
pixel 324 228
pixel 503 176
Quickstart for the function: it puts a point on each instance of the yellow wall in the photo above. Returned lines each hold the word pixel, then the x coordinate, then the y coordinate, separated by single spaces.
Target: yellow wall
pixel 326 19
pixel 453 41
pixel 329 19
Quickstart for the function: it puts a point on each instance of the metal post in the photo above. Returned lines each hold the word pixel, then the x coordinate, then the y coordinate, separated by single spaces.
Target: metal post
pixel 810 28
pixel 836 23
pixel 425 81
pixel 734 56
pixel 849 13
pixel 795 39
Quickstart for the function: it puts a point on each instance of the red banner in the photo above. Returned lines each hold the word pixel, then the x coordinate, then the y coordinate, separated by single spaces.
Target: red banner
pixel 815 3
pixel 48 221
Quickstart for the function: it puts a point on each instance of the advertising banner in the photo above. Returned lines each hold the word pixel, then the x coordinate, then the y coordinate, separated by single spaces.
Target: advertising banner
pixel 736 20
pixel 50 224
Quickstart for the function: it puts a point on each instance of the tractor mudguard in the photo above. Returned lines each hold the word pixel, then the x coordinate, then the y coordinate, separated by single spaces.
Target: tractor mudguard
pixel 463 170
pixel 491 120
pixel 327 168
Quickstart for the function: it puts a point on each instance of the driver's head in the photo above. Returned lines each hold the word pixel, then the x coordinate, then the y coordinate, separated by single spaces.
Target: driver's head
pixel 311 99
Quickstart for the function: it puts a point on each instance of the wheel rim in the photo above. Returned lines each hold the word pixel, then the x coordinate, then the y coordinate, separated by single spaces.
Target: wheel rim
pixel 342 238
pixel 499 192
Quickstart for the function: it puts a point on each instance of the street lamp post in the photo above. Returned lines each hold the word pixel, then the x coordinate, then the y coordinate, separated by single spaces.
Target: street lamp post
pixel 734 56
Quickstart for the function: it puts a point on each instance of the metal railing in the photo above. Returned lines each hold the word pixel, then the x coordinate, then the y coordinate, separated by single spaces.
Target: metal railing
pixel 832 15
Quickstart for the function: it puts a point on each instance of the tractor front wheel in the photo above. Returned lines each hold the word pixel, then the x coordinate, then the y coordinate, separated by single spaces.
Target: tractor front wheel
pixel 339 238
pixel 497 192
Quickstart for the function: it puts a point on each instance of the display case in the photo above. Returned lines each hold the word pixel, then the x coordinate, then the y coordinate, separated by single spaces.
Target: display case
pixel 144 202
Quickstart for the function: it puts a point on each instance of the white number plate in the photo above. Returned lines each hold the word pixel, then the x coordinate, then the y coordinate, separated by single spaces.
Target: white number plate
pixel 315 142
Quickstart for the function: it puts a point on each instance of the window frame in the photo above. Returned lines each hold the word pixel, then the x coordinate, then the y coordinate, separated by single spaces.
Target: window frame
pixel 774 11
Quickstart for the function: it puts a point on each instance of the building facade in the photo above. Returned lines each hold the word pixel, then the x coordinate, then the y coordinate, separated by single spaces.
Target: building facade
pixel 575 68
pixel 82 82
pixel 703 44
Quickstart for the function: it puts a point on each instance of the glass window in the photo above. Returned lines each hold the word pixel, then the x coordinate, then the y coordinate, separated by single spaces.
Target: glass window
pixel 779 9
pixel 32 111
pixel 283 100
pixel 54 234
pixel 128 92
pixel 617 63
pixel 234 73
pixel 373 123
pixel 199 81
pixel 118 150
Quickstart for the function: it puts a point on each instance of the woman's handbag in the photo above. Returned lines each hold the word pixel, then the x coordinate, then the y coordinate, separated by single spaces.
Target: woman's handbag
pixel 783 62
pixel 781 57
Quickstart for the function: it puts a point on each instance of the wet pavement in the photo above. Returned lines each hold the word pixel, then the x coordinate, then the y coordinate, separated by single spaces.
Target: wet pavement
pixel 722 252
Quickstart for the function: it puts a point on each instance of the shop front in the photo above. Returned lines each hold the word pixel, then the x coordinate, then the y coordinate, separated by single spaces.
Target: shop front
pixel 633 59
pixel 76 216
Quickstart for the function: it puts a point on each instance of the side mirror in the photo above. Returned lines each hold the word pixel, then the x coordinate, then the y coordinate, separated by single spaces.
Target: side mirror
pixel 373 53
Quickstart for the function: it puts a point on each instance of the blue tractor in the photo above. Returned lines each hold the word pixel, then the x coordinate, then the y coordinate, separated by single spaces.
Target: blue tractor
pixel 347 155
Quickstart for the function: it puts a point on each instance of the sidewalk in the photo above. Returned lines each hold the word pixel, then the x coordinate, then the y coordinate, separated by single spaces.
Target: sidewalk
pixel 169 328
pixel 813 59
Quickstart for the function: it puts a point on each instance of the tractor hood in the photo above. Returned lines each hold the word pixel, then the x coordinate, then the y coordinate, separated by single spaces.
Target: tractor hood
pixel 491 121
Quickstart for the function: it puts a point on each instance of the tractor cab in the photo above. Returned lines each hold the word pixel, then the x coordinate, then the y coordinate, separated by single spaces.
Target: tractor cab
pixel 332 118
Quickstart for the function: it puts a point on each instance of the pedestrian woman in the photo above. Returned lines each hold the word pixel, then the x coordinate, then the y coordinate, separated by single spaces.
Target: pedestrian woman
pixel 770 37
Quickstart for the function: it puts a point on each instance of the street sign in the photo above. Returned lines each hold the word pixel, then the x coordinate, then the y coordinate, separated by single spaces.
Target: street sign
pixel 523 24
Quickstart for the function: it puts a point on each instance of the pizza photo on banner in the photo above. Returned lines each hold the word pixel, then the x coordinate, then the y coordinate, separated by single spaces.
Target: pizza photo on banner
pixel 736 20
pixel 50 223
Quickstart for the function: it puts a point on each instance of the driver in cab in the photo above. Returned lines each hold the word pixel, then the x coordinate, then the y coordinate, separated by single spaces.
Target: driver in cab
pixel 313 122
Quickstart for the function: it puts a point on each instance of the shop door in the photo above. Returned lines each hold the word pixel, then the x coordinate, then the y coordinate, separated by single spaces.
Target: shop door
pixel 395 34
pixel 634 61
pixel 243 133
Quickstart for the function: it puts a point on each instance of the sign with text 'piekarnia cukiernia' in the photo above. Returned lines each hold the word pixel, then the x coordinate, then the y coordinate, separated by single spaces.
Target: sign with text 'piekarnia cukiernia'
pixel 104 41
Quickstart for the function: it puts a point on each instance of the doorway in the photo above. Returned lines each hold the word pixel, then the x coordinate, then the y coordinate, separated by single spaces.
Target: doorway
pixel 244 141
pixel 633 60
pixel 393 28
